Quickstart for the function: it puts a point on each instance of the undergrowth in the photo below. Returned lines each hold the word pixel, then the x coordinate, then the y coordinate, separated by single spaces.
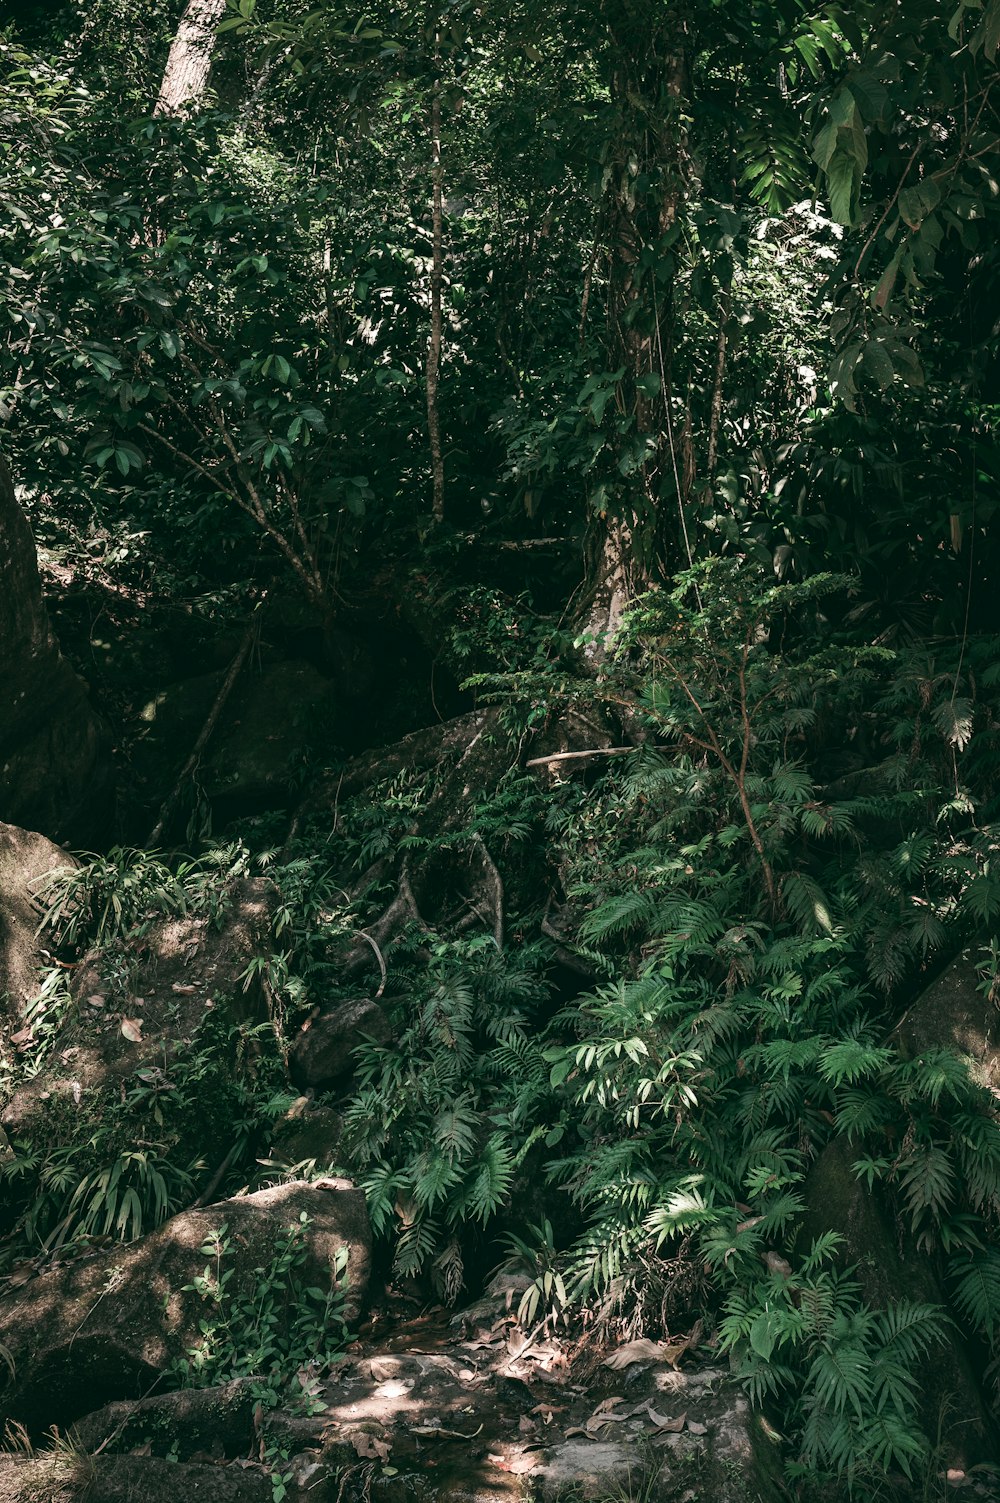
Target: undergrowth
pixel 804 835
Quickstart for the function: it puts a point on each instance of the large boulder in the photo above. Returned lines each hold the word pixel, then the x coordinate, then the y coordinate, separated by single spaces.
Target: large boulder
pixel 107 1327
pixel 53 766
pixel 889 1270
pixel 323 1051
pixel 191 1421
pixel 252 761
pixel 955 1012
pixel 26 858
pixel 63 1476
pixel 139 1007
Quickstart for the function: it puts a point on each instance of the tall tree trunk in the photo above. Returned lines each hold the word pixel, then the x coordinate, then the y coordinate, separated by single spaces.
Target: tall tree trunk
pixel 648 86
pixel 647 81
pixel 185 77
pixel 437 282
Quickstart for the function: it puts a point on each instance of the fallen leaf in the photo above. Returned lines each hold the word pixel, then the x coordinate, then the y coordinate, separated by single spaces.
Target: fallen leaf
pixel 132 1030
pixel 543 1351
pixel 696 1428
pixel 611 1403
pixel 526 1426
pixel 516 1343
pixel 662 1422
pixel 634 1351
pixel 22 1039
pixel 183 991
pixel 95 1000
pixel 369 1446
pixel 520 1464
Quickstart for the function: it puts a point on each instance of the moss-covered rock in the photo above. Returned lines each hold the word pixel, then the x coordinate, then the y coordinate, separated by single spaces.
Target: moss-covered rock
pixel 26 858
pixel 889 1269
pixel 106 1327
pixel 956 1012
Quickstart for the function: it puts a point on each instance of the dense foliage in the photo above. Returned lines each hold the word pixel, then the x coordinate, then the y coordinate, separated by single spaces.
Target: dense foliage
pixel 643 358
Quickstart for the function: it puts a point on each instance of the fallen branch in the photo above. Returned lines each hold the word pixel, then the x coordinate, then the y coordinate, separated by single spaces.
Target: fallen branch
pixel 170 802
pixel 573 756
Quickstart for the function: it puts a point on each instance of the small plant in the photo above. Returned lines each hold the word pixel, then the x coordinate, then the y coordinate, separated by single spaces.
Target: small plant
pixel 442 1119
pixel 276 1329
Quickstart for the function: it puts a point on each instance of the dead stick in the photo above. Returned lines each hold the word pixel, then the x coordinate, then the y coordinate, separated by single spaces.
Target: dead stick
pixel 169 803
pixel 597 751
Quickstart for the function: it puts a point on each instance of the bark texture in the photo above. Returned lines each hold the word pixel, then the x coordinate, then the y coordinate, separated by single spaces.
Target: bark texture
pixel 185 78
pixel 437 283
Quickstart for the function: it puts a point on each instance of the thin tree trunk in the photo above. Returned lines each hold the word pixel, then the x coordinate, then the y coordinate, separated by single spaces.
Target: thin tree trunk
pixel 185 78
pixel 715 415
pixel 437 281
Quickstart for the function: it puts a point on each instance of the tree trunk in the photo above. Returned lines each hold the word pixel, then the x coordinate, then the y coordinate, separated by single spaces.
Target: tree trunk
pixel 185 77
pixel 437 281
pixel 648 86
pixel 647 82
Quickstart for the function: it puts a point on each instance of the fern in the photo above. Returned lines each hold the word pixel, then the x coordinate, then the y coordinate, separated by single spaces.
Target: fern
pixel 975 1288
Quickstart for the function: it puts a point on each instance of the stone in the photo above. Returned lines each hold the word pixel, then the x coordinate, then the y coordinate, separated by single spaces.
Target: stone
pixel 955 1013
pixel 181 969
pixel 322 1054
pixel 62 1477
pixel 311 1135
pixel 217 1420
pixel 54 765
pixel 953 1410
pixel 26 858
pixel 267 724
pixel 104 1328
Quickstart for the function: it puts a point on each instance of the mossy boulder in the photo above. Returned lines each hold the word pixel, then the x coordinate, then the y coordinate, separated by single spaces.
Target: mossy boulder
pixel 215 1421
pixel 276 712
pixel 26 858
pixel 956 1012
pixel 138 1007
pixel 107 1327
pixel 61 1477
pixel 889 1269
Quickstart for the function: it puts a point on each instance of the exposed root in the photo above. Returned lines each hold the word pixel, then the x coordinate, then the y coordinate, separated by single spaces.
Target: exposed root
pixel 384 932
pixel 494 887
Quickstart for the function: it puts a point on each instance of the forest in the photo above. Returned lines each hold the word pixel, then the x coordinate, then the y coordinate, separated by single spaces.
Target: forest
pixel 499 751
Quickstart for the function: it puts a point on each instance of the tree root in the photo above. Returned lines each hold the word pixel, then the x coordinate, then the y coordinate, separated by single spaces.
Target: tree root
pixel 384 932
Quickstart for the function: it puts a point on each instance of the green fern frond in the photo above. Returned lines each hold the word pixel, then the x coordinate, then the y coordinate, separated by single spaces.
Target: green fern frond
pixel 975 1289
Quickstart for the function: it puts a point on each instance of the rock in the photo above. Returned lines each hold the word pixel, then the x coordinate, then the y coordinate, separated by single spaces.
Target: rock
pixel 309 1133
pixel 267 724
pixel 837 1201
pixel 104 1328
pixel 323 1051
pixel 25 858
pixel 181 970
pixel 61 1477
pixel 54 771
pixel 214 1420
pixel 953 1013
